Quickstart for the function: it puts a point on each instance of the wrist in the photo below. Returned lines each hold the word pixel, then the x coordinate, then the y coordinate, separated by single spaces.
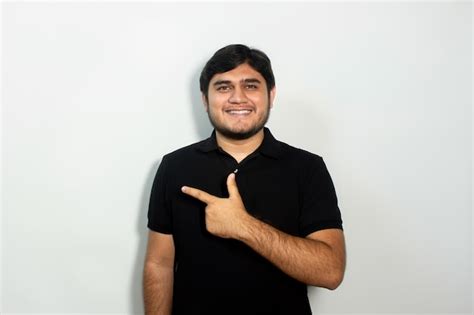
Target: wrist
pixel 245 228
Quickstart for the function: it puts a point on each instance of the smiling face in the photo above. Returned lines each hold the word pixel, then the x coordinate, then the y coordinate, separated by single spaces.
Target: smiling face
pixel 238 102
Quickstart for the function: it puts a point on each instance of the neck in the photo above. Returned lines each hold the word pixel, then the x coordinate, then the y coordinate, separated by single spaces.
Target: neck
pixel 239 149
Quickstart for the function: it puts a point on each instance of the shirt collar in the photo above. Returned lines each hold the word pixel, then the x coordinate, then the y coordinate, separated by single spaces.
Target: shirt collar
pixel 269 147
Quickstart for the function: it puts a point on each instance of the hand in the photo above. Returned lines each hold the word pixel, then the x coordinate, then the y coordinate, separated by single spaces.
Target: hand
pixel 224 216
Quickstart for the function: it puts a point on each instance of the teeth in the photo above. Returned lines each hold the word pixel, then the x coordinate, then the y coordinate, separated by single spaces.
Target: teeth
pixel 239 112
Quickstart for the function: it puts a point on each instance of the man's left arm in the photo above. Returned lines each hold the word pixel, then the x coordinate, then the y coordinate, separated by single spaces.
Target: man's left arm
pixel 318 259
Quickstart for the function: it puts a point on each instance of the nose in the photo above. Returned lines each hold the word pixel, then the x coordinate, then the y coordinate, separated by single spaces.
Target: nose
pixel 238 96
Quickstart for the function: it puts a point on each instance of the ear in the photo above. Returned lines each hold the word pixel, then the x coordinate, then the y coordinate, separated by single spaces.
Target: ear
pixel 272 96
pixel 204 101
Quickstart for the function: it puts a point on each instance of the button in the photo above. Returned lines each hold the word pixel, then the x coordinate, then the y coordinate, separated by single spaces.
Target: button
pixel 236 170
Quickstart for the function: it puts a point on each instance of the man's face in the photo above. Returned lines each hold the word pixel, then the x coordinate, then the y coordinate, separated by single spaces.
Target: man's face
pixel 238 103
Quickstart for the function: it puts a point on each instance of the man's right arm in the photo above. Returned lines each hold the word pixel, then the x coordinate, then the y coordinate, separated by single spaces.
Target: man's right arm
pixel 158 274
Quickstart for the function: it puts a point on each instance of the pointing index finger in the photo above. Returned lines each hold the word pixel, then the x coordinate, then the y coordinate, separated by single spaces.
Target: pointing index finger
pixel 198 194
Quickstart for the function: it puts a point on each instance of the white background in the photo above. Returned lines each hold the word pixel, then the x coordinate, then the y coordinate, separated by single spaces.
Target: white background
pixel 94 94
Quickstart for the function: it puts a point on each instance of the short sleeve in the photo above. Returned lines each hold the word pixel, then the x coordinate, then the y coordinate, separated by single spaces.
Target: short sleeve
pixel 319 209
pixel 159 212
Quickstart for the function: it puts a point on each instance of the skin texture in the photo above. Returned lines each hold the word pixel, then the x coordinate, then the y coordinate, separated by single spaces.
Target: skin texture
pixel 238 106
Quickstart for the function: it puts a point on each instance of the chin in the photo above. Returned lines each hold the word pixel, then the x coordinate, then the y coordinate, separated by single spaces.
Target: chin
pixel 239 131
pixel 239 134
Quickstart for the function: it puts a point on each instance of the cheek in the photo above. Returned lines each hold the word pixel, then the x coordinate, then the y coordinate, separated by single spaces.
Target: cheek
pixel 216 101
pixel 260 100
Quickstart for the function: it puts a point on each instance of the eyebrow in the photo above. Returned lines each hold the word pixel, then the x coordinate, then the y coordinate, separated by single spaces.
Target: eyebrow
pixel 251 80
pixel 220 82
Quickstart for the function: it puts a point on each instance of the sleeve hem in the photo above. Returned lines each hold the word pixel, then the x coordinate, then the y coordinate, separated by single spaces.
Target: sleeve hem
pixel 321 226
pixel 160 228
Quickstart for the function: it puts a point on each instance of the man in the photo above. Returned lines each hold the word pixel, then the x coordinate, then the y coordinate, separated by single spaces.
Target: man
pixel 240 223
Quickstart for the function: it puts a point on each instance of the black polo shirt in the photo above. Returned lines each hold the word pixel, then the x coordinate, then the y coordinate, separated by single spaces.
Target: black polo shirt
pixel 286 187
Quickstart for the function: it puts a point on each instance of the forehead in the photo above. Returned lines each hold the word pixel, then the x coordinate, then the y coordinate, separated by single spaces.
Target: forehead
pixel 239 73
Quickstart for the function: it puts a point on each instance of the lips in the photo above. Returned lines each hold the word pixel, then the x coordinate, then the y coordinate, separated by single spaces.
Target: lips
pixel 238 111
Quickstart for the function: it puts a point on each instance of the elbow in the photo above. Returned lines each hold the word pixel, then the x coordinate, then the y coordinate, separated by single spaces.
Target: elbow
pixel 335 279
pixel 331 282
pixel 336 275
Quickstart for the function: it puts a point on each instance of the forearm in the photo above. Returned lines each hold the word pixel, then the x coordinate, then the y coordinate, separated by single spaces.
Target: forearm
pixel 310 261
pixel 157 289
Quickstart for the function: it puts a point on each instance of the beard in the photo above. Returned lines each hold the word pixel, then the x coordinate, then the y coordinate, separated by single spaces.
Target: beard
pixel 242 134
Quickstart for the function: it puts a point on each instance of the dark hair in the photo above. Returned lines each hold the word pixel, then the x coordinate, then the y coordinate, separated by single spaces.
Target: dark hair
pixel 232 56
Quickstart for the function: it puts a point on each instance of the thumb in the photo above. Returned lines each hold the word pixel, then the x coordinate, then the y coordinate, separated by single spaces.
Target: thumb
pixel 232 186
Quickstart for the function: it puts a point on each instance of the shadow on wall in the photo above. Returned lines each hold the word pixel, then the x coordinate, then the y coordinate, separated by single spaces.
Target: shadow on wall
pixel 203 130
pixel 314 298
pixel 202 125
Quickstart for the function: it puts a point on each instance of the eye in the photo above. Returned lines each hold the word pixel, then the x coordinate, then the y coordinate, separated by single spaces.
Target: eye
pixel 251 86
pixel 223 88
